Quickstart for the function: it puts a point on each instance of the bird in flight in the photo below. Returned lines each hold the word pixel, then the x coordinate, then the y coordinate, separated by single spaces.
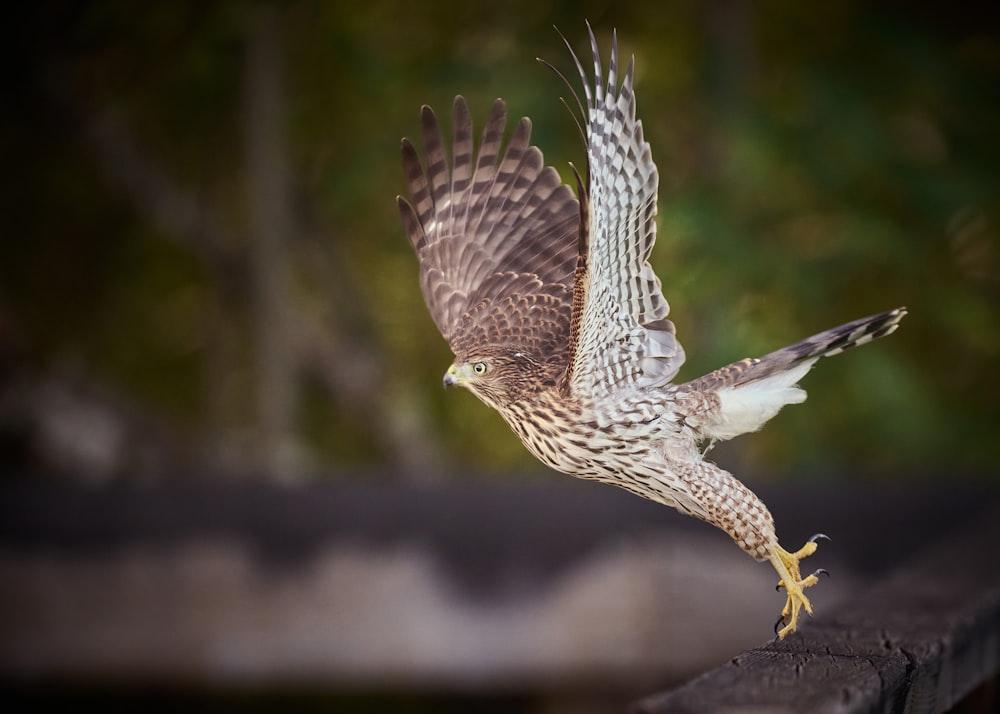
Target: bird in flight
pixel 558 322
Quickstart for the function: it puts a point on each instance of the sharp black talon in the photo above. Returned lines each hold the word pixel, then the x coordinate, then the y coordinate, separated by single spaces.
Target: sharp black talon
pixel 781 621
pixel 821 571
pixel 817 536
pixel 777 588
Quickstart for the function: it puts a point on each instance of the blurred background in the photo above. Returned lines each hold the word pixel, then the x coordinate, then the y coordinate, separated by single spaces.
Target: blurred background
pixel 204 279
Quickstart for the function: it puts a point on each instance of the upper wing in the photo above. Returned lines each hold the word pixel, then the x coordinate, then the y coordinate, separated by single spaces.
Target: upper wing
pixel 496 237
pixel 620 336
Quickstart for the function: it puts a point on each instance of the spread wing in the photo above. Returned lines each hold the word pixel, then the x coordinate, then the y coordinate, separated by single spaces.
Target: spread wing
pixel 496 237
pixel 620 335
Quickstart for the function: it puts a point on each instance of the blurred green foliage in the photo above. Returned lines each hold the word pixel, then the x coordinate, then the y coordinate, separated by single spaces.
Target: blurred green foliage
pixel 818 162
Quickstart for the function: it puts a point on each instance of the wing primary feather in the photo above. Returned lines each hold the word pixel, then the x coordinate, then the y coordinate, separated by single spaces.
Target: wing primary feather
pixel 437 164
pixel 414 215
pixel 486 166
pixel 597 68
pixel 414 230
pixel 461 163
pixel 580 118
pixel 579 68
pixel 508 171
pixel 612 65
pixel 576 98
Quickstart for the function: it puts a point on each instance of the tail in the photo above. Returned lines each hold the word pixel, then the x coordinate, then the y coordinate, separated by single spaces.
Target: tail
pixel 752 391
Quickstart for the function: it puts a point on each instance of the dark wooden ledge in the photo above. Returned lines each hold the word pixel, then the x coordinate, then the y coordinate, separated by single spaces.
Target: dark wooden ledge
pixel 918 641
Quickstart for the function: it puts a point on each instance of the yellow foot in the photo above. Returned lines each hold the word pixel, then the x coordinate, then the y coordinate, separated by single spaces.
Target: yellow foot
pixel 787 565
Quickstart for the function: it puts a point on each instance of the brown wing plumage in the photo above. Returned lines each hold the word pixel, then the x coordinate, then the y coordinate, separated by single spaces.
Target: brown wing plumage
pixel 496 237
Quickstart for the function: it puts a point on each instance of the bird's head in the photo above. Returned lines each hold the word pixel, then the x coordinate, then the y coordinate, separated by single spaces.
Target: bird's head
pixel 498 377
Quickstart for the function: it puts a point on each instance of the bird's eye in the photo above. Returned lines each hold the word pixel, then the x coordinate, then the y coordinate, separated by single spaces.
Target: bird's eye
pixel 479 368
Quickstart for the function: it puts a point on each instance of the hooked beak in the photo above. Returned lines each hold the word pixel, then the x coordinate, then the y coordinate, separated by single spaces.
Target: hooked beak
pixel 450 377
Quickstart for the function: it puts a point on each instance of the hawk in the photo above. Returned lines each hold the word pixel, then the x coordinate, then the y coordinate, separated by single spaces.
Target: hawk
pixel 558 322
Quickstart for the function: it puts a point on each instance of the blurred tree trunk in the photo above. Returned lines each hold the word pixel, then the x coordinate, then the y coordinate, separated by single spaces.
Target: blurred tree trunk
pixel 271 229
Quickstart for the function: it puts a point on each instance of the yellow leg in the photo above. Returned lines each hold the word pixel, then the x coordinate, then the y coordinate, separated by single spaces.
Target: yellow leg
pixel 787 565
